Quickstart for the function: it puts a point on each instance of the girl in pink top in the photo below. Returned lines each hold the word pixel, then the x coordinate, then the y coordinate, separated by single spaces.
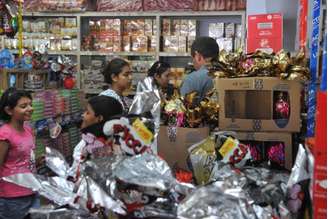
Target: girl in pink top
pixel 16 152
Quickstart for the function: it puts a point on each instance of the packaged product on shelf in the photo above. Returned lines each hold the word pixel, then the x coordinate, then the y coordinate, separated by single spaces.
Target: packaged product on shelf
pixel 220 5
pixel 184 28
pixel 176 26
pixel 126 43
pixel 139 43
pixel 190 41
pixel 119 5
pixel 66 44
pixel 167 5
pixel 230 30
pixel 212 30
pixel 238 30
pixel 192 28
pixel 148 27
pixel 63 5
pixel 154 27
pixel 237 43
pixel 31 5
pixel 117 44
pixel 225 43
pixel 70 22
pixel 171 43
pixel 152 44
pixel 134 27
pixel 26 26
pixel 166 27
pixel 55 44
pixel 182 44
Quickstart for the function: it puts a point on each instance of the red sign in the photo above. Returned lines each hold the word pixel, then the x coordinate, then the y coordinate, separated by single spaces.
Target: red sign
pixel 264 33
pixel 320 159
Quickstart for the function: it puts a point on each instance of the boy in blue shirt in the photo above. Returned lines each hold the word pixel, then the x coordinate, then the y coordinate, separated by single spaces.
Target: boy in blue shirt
pixel 204 50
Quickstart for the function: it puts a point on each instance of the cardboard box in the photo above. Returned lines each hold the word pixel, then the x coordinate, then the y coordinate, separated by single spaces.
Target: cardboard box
pixel 175 151
pixel 264 32
pixel 248 104
pixel 264 138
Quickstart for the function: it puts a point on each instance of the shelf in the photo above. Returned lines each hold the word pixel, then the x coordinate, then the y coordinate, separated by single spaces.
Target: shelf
pixel 15 51
pixel 50 14
pixel 174 54
pixel 96 53
pixel 135 14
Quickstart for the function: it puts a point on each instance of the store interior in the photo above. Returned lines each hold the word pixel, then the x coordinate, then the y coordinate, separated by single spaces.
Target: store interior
pixel 163 109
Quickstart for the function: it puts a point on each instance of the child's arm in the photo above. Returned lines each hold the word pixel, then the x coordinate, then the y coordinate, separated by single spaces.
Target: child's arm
pixel 3 151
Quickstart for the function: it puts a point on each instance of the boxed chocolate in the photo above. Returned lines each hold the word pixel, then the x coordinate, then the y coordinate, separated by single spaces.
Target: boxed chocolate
pixel 259 104
pixel 229 30
pixel 176 27
pixel 139 43
pixel 171 43
pixel 126 43
pixel 269 146
pixel 182 44
pixel 148 27
pixel 166 27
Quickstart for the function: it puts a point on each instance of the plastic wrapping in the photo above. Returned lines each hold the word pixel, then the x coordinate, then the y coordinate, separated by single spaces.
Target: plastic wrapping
pixel 139 43
pixel 167 5
pixel 214 201
pixel 119 5
pixel 56 189
pixel 148 99
pixel 146 170
pixel 202 157
pixel 56 162
pixel 63 5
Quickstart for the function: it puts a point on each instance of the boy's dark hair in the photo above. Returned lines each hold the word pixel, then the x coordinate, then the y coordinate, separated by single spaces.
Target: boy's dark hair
pixel 158 68
pixel 114 67
pixel 206 46
pixel 10 99
pixel 105 106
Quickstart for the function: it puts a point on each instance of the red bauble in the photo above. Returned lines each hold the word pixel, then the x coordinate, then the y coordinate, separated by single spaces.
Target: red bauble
pixel 69 82
pixel 282 108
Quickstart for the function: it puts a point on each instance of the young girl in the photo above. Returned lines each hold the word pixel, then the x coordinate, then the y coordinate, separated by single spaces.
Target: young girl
pixel 94 143
pixel 16 152
pixel 118 74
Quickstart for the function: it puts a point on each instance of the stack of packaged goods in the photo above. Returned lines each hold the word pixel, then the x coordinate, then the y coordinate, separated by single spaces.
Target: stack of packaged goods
pixel 93 79
pixel 178 34
pixel 227 35
pixel 61 107
pixel 139 35
pixel 55 34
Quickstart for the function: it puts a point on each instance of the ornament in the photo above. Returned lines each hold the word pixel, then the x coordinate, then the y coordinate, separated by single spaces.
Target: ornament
pixel 282 107
pixel 69 82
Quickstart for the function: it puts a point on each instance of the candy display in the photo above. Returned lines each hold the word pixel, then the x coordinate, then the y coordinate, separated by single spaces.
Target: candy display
pixel 218 5
pixel 53 34
pixel 280 65
pixel 189 112
pixel 93 79
pixel 143 185
pixel 62 5
pixel 119 5
pixel 178 34
pixel 167 5
pixel 9 14
pixel 105 35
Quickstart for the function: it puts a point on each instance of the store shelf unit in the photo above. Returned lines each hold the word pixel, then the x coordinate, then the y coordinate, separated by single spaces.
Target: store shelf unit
pixel 226 16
